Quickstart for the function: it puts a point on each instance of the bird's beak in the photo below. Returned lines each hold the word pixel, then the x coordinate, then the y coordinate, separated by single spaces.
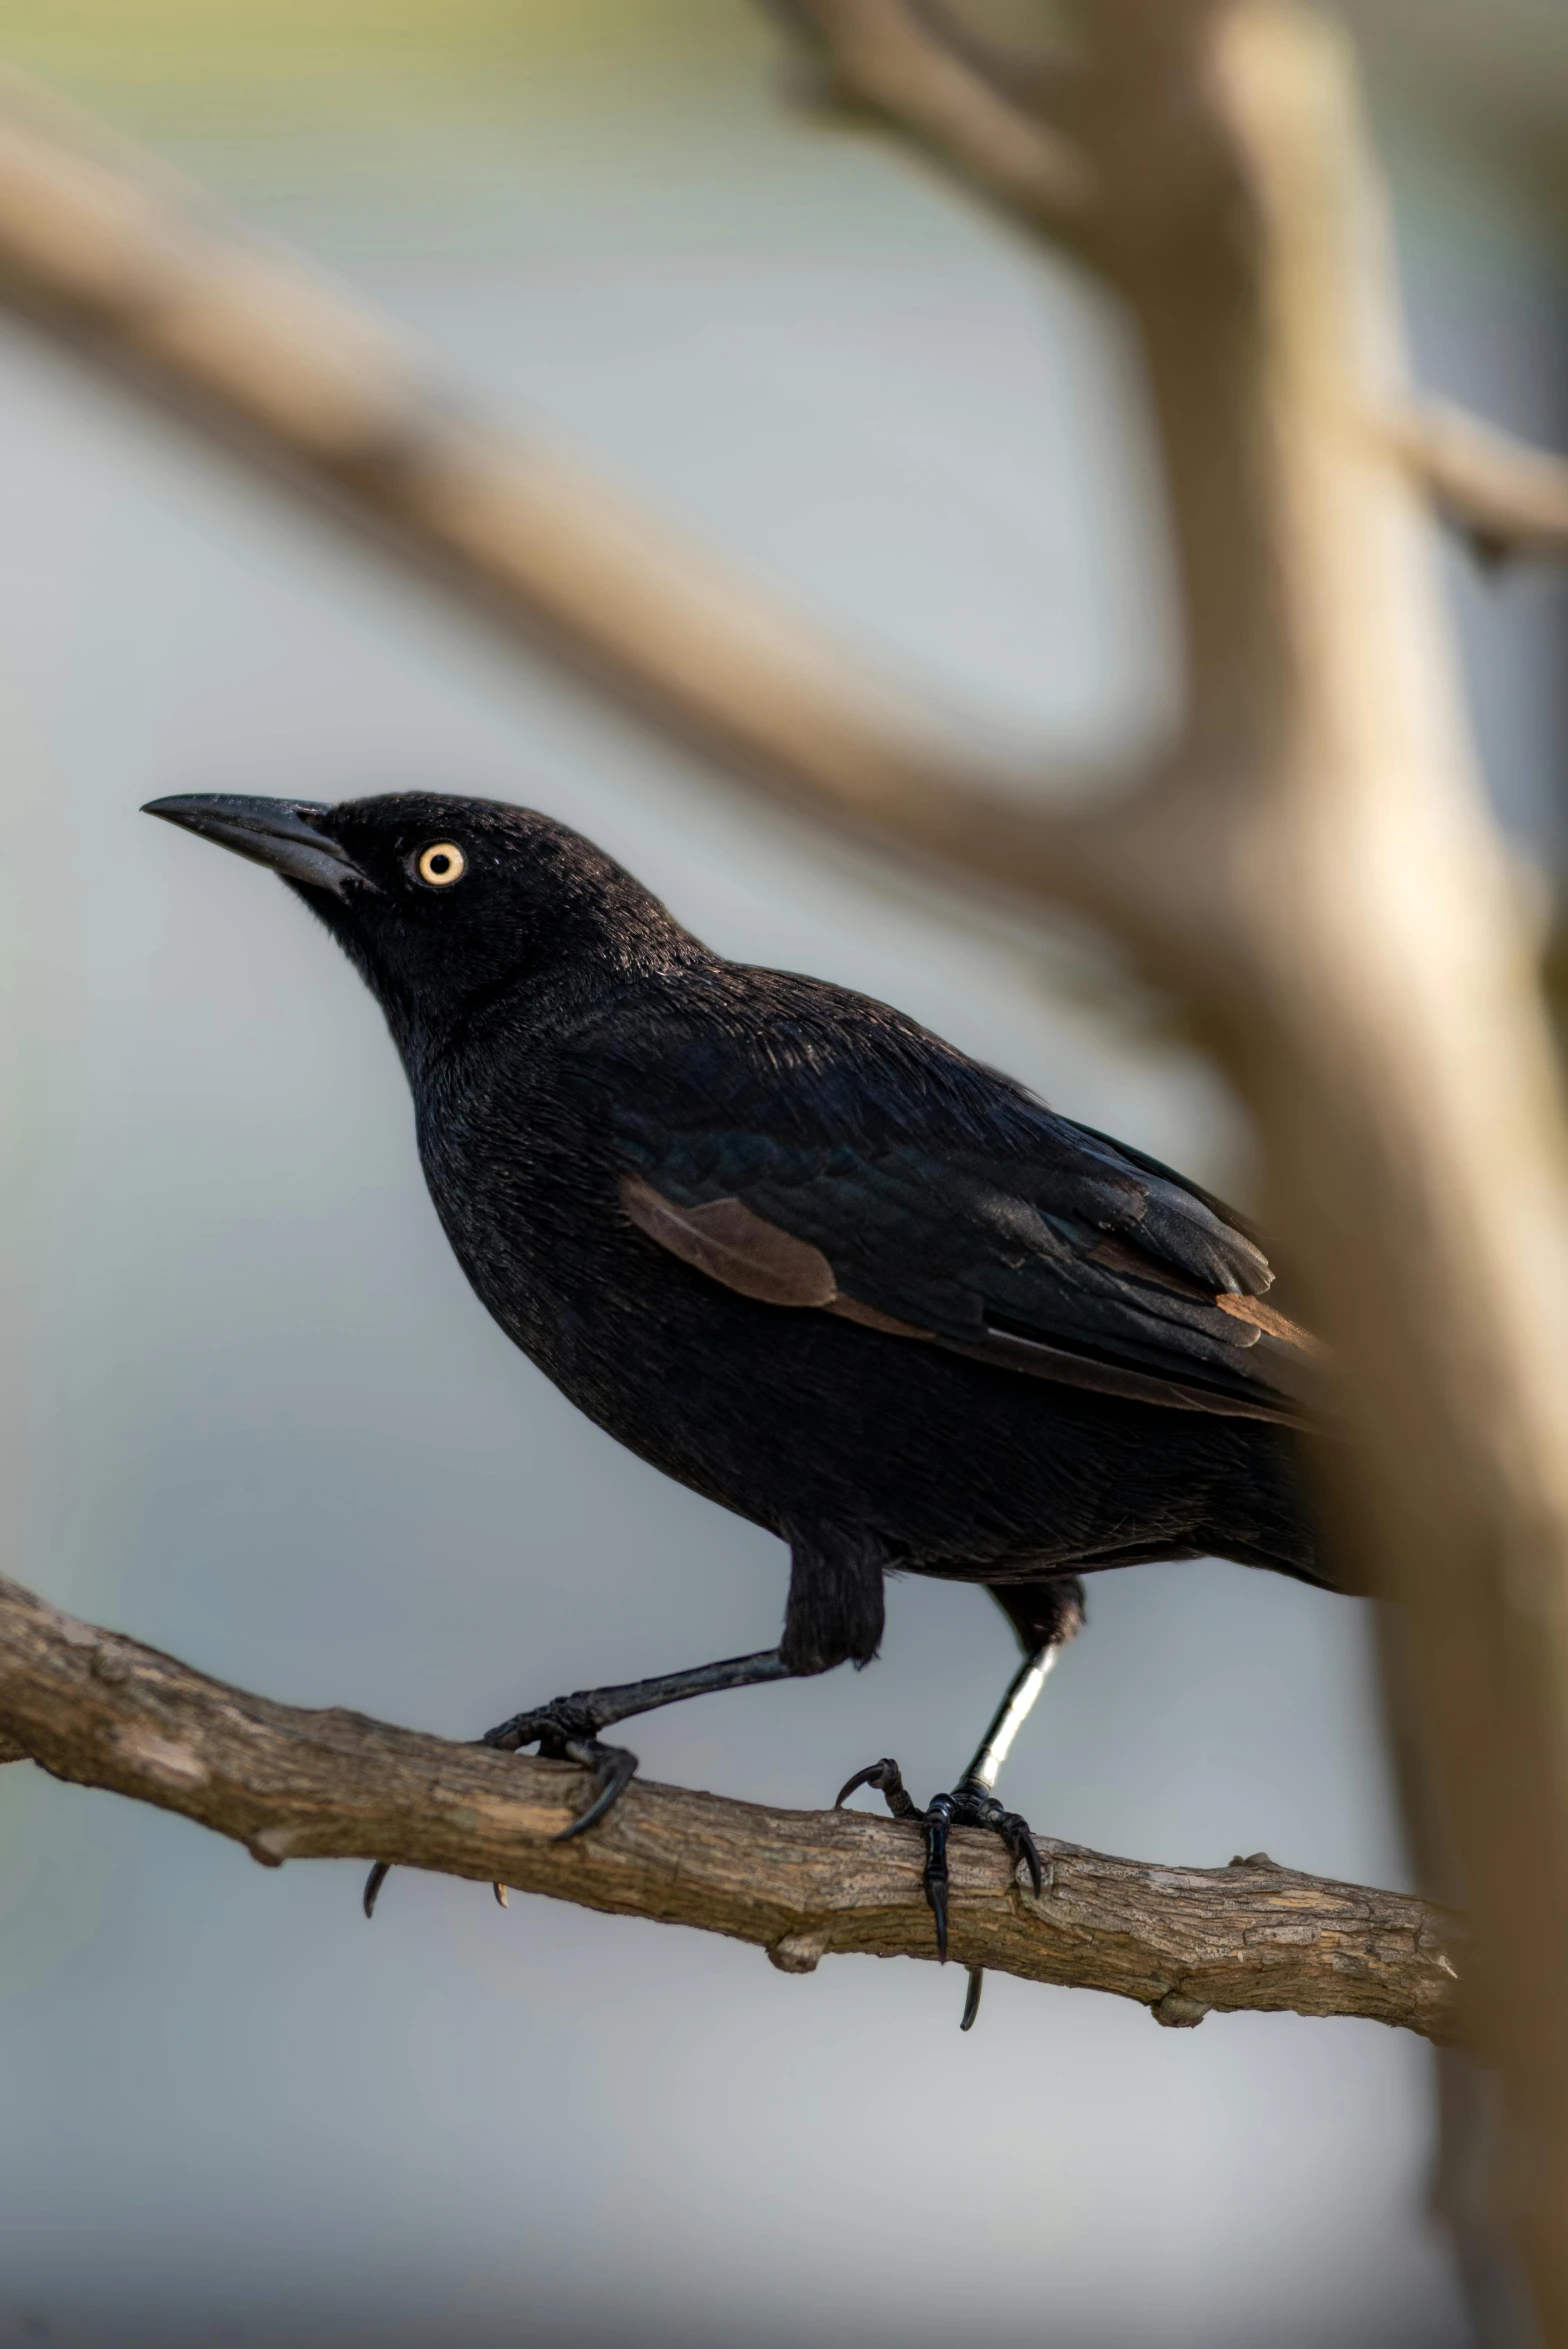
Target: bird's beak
pixel 283 833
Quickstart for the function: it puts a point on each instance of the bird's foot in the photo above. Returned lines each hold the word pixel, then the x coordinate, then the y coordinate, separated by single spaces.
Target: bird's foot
pixel 565 1730
pixel 968 1805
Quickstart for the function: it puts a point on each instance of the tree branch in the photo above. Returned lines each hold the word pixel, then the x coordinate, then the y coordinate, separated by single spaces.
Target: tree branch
pixel 1044 78
pixel 104 1711
pixel 1020 127
pixel 924 73
pixel 1506 497
pixel 141 278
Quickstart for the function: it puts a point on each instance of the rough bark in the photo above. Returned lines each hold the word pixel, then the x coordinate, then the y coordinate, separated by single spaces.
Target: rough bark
pixel 97 1708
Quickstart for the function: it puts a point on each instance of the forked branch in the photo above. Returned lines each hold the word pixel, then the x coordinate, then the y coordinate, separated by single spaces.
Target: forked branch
pixel 104 1711
pixel 1007 124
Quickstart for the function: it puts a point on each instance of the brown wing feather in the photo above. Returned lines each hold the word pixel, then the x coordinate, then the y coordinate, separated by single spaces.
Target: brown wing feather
pixel 1272 1323
pixel 732 1244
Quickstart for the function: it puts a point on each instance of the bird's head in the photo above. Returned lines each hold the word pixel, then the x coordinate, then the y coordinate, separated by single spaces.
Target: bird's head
pixel 445 903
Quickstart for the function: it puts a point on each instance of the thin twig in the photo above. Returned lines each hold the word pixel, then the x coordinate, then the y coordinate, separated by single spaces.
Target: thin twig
pixel 1507 498
pixel 902 61
pixel 102 1710
pixel 1045 78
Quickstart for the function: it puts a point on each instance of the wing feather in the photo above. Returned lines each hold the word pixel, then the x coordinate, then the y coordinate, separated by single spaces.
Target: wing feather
pixel 732 1244
pixel 836 1158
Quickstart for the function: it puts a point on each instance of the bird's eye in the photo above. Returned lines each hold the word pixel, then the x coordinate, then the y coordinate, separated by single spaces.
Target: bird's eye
pixel 441 864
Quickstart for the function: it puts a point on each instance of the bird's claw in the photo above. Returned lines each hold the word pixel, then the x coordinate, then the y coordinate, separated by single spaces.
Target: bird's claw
pixel 567 1730
pixel 968 1805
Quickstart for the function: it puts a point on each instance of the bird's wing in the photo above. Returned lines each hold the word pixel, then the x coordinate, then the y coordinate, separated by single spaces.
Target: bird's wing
pixel 965 1214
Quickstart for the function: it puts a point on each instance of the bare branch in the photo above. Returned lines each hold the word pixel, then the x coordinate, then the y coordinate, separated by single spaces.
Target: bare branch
pixel 113 259
pixel 1506 497
pixel 919 69
pixel 1045 78
pixel 104 1711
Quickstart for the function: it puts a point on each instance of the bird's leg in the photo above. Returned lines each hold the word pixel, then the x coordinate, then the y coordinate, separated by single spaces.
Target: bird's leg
pixel 833 1616
pixel 1053 1619
pixel 834 1612
pixel 972 1802
pixel 567 1730
pixel 1009 1717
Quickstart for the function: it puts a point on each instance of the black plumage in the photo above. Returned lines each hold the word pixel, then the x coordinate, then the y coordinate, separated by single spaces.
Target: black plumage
pixel 796 1251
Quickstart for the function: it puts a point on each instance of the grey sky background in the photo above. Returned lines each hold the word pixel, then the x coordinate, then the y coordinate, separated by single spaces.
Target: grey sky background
pixel 254 1416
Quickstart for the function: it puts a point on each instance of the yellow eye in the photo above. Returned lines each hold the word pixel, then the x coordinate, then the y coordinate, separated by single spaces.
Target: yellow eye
pixel 442 864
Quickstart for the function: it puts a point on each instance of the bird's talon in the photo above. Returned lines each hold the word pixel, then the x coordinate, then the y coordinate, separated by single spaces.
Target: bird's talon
pixel 567 1730
pixel 887 1778
pixel 970 1804
pixel 934 1878
pixel 1014 1832
pixel 614 1768
pixel 870 1775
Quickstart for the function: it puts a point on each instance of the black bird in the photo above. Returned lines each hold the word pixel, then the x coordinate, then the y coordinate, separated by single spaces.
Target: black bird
pixel 806 1258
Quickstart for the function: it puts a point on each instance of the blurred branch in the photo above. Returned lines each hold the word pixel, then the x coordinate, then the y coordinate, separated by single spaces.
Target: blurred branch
pixel 1507 498
pixel 1013 123
pixel 103 1711
pixel 1044 78
pixel 980 108
pixel 1321 882
pixel 142 280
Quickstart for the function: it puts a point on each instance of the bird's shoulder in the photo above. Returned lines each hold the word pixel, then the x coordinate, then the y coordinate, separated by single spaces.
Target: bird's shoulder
pixel 796 1057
